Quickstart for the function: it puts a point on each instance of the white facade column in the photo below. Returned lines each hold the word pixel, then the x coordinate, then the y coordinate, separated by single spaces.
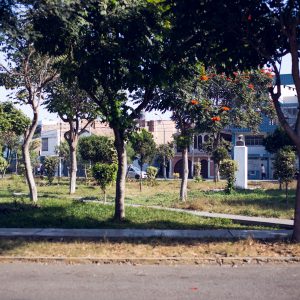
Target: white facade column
pixel 241 157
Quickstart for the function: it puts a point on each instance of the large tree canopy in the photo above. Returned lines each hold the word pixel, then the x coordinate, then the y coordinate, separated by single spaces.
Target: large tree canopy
pixel 113 48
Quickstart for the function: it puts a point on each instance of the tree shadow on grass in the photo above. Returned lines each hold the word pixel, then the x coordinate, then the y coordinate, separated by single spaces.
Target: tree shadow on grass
pixel 81 215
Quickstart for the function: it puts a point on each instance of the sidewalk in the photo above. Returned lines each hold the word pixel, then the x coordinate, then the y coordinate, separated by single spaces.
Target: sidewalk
pixel 245 220
pixel 256 221
pixel 145 233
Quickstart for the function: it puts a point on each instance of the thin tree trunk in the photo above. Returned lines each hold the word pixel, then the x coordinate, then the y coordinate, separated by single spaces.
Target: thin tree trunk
pixel 73 159
pixel 26 157
pixel 216 172
pixel 17 161
pixel 105 196
pixel 164 168
pixel 185 173
pixel 121 175
pixel 141 170
pixel 286 194
pixel 296 232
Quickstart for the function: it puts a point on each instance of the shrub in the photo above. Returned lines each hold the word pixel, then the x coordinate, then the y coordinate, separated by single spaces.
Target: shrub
pixel 51 164
pixel 228 167
pixel 104 174
pixel 151 175
pixel 197 171
pixel 284 166
pixel 176 175
pixel 3 165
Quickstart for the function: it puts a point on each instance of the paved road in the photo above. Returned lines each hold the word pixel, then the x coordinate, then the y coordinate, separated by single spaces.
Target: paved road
pixel 117 282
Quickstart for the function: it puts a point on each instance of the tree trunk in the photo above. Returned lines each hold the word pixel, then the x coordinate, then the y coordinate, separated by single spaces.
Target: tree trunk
pixel 73 172
pixel 216 172
pixel 17 161
pixel 104 196
pixel 26 157
pixel 141 170
pixel 185 173
pixel 121 175
pixel 286 194
pixel 164 168
pixel 296 231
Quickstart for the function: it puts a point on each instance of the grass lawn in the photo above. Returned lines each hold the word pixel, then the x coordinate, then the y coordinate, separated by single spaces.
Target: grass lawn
pixel 58 209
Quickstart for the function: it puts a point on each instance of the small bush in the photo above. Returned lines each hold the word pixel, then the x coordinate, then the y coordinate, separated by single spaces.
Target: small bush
pixel 3 165
pixel 51 164
pixel 228 167
pixel 176 175
pixel 151 175
pixel 104 174
pixel 197 169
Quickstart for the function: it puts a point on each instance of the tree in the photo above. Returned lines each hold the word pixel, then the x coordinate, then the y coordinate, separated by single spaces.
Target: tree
pixel 239 99
pixel 218 155
pixel 284 167
pixel 164 154
pixel 254 32
pixel 144 147
pixel 28 72
pixel 111 47
pixel 104 174
pixel 97 149
pixel 13 124
pixel 73 107
pixel 228 167
pixel 51 164
pixel 277 140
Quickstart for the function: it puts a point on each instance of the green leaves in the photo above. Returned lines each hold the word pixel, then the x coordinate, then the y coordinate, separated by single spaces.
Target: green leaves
pixel 12 119
pixel 144 146
pixel 104 174
pixel 284 165
pixel 97 149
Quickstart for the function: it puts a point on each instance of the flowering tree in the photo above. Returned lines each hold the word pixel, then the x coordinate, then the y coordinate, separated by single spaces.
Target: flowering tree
pixel 238 100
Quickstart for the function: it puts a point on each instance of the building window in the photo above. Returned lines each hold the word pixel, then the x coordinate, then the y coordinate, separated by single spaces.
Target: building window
pixel 44 144
pixel 198 142
pixel 254 140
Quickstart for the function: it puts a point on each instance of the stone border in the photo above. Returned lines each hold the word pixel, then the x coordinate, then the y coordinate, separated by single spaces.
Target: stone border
pixel 231 261
pixel 145 233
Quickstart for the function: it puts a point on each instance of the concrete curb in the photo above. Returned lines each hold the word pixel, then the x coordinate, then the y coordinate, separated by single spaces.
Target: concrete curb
pixel 144 233
pixel 233 261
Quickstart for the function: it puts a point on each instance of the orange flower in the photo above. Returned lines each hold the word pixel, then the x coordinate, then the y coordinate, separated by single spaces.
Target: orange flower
pixel 204 77
pixel 216 119
pixel 225 108
pixel 251 86
pixel 249 18
pixel 194 102
pixel 235 73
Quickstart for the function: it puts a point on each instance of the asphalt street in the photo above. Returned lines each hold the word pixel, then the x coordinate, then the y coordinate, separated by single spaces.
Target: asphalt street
pixel 24 281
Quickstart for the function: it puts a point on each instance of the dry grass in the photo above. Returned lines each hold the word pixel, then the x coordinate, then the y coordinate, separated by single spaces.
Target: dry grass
pixel 150 248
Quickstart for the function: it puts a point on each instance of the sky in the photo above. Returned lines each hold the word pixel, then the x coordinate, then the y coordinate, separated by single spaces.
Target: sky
pixel 156 115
